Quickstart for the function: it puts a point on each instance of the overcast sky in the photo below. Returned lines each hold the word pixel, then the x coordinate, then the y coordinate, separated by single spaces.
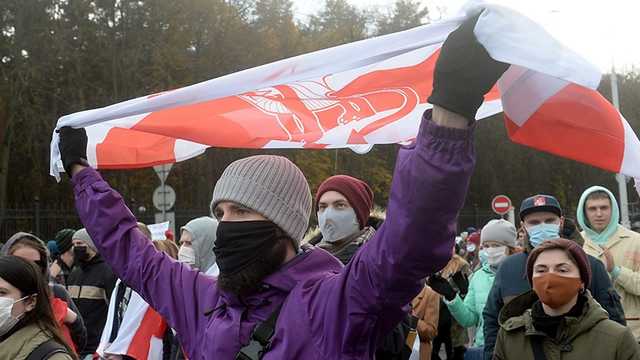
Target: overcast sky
pixel 598 30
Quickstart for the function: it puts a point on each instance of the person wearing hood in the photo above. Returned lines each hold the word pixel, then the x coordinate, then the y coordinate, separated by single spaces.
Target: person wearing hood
pixel 542 219
pixel 273 298
pixel 67 315
pixel 559 319
pixel 197 239
pixel 90 284
pixel 497 241
pixel 616 246
pixel 62 263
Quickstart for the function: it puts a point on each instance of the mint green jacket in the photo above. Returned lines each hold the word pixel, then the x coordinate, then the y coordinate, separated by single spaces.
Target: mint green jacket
pixel 468 312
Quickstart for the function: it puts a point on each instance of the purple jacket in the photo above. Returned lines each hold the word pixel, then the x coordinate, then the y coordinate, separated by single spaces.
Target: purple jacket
pixel 329 311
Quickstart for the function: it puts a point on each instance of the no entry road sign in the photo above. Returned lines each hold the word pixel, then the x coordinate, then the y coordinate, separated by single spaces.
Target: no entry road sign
pixel 501 204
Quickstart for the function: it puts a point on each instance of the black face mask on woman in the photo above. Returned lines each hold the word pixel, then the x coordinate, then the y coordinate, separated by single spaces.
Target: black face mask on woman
pixel 247 252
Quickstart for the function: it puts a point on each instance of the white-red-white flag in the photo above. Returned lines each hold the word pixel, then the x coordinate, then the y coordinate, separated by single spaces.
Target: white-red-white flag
pixel 368 92
pixel 140 332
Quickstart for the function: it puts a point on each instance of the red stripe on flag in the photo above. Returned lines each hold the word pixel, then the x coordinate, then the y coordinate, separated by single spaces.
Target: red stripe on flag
pixel 152 325
pixel 493 94
pixel 576 123
pixel 126 148
pixel 245 122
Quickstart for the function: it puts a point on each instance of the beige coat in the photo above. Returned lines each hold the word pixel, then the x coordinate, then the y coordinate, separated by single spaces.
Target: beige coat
pixel 19 345
pixel 426 307
pixel 624 245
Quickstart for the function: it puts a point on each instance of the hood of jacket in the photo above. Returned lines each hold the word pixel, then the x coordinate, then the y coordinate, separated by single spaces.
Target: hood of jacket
pixel 516 314
pixel 612 227
pixel 19 235
pixel 203 236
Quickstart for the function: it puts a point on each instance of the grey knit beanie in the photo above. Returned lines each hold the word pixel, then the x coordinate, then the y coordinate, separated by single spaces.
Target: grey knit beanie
pixel 499 230
pixel 83 235
pixel 271 185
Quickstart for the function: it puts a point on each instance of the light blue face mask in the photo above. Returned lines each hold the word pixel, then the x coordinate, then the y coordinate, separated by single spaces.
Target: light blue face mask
pixel 542 232
pixel 483 256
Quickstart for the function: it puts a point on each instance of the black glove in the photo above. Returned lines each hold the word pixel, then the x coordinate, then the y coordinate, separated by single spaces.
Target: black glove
pixel 464 72
pixel 73 147
pixel 441 286
pixel 461 282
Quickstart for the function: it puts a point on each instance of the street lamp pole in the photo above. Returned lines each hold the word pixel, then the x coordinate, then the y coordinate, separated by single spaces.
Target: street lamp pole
pixel 622 181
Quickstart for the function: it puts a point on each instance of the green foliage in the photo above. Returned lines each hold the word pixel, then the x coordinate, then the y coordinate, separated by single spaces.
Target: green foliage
pixel 338 23
pixel 406 14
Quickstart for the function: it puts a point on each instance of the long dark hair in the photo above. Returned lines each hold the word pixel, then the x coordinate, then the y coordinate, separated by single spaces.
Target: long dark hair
pixel 28 278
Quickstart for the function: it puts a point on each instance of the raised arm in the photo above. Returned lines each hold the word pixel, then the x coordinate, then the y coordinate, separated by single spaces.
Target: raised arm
pixel 173 289
pixel 464 311
pixel 429 187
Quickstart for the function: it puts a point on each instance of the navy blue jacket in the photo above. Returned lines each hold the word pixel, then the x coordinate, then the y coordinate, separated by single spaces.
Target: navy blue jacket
pixel 511 281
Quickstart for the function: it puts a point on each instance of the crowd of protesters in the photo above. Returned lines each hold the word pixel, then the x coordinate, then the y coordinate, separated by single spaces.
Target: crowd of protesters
pixel 242 283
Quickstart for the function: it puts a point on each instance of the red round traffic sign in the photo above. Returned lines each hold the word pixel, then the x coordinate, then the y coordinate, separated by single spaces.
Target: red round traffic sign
pixel 501 204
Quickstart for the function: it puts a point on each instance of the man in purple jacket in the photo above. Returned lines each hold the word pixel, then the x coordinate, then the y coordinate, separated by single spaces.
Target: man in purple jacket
pixel 327 311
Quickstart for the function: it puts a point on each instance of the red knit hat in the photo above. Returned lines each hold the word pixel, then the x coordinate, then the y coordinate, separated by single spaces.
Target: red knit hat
pixel 582 261
pixel 357 192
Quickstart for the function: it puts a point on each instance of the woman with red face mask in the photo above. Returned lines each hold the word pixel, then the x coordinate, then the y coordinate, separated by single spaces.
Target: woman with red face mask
pixel 559 319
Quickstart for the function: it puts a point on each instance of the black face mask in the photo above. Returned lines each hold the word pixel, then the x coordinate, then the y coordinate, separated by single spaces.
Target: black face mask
pixel 240 243
pixel 80 253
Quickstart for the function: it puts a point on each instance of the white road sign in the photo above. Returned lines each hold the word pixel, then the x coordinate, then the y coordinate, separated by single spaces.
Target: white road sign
pixel 164 197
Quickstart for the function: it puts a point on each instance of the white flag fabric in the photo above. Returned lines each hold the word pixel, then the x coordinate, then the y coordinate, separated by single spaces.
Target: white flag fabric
pixel 368 92
pixel 140 333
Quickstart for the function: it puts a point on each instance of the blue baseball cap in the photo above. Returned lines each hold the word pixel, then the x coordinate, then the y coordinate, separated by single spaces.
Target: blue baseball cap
pixel 540 203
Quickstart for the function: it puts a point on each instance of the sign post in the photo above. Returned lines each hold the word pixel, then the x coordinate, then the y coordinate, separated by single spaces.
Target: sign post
pixel 164 197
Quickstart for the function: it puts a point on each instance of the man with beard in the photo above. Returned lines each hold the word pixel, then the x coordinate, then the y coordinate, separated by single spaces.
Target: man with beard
pixel 275 299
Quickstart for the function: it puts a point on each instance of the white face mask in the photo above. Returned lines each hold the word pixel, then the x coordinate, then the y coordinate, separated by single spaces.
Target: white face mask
pixel 337 224
pixel 495 255
pixel 187 255
pixel 7 321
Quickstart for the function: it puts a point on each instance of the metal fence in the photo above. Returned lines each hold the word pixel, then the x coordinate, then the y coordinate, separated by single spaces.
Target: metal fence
pixel 46 221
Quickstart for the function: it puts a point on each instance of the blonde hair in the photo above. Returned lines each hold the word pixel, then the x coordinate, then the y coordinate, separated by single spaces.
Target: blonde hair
pixel 168 247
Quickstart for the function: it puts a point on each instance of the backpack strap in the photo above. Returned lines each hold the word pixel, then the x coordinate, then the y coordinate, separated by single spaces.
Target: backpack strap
pixel 260 338
pixel 46 350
